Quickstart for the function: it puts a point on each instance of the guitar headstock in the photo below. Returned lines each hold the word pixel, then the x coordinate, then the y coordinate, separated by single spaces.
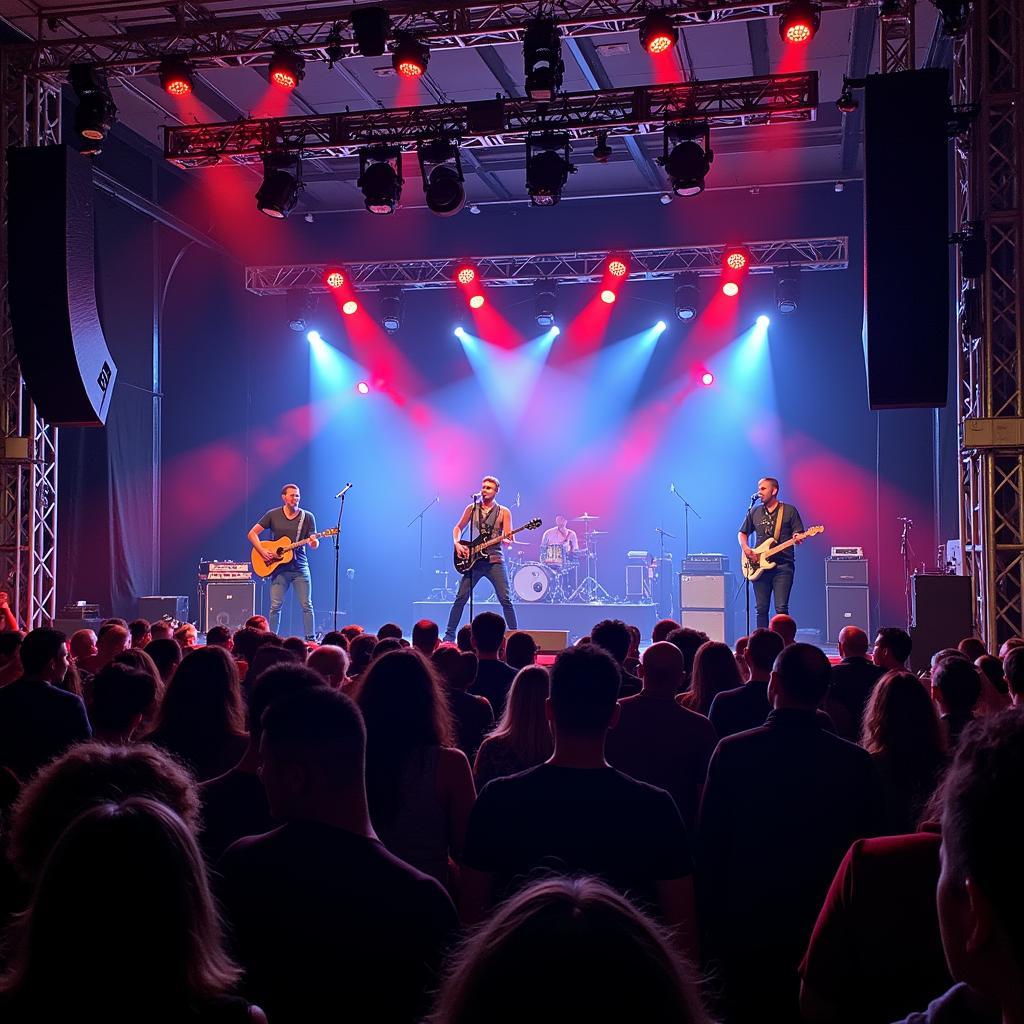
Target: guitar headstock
pixel 328 533
pixel 531 525
pixel 813 531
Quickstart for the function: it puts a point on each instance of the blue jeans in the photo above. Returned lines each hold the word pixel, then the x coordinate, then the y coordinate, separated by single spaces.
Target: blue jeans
pixel 777 583
pixel 495 572
pixel 291 575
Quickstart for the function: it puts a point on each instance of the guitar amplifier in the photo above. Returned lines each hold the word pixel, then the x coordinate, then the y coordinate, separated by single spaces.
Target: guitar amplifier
pixel 705 562
pixel 226 604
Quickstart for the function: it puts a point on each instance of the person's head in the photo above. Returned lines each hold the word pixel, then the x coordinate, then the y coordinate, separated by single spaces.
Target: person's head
pixel 276 683
pixel 161 630
pixel 991 669
pixel 219 636
pixel 800 678
pixel 246 641
pixel 661 630
pixel 584 693
pixel 382 647
pixel 361 653
pixel 613 636
pixel 186 636
pixel 785 626
pixel 489 487
pixel 352 630
pixel 10 641
pixel 740 646
pixel 82 644
pixel 297 646
pixel 1013 668
pixel 291 496
pixel 979 896
pixel 520 650
pixel 853 642
pixel 87 774
pixel 943 655
pixel 900 720
pixel 267 655
pixel 166 655
pixel 972 648
pixel 488 630
pixel 203 697
pixel 688 641
pixel 122 699
pixel 112 639
pixel 1007 645
pixel 767 489
pixel 524 722
pixel 425 636
pixel 124 885
pixel 336 638
pixel 139 631
pixel 956 686
pixel 312 755
pixel 714 670
pixel 258 622
pixel 763 647
pixel 892 647
pixel 141 661
pixel 44 654
pixel 661 668
pixel 464 638
pixel 634 641
pixel 565 949
pixel 331 663
pixel 456 668
pixel 389 629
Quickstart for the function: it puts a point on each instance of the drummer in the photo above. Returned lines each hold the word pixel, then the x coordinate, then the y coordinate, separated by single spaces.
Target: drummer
pixel 561 536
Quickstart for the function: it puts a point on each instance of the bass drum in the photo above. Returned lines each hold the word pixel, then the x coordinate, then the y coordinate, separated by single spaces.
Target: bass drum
pixel 532 581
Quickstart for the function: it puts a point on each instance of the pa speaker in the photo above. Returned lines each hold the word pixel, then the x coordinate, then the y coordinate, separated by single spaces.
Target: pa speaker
pixel 154 608
pixel 227 604
pixel 906 239
pixel 62 353
pixel 846 606
pixel 942 612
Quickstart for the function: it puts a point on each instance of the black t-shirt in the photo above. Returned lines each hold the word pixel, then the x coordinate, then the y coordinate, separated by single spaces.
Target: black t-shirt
pixel 493 681
pixel 234 806
pixel 762 522
pixel 573 820
pixel 281 526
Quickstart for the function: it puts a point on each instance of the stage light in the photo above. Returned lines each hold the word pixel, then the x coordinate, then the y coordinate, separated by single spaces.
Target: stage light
pixel 955 14
pixel 459 332
pixel 465 275
pixel 313 337
pixel 363 388
pixel 380 178
pixel 287 68
pixel 409 57
pixel 334 278
pixel 476 301
pixel 763 321
pixel 686 297
pixel 787 290
pixel 661 326
pixel 282 182
pixel 687 156
pixel 96 111
pixel 370 26
pixel 547 169
pixel 707 378
pixel 444 186
pixel 542 59
pixel 176 76
pixel 349 307
pixel 799 21
pixel 544 302
pixel 847 102
pixel 556 331
pixel 300 305
pixel 730 288
pixel 608 296
pixel 602 152
pixel 617 267
pixel 736 259
pixel 392 308
pixel 657 33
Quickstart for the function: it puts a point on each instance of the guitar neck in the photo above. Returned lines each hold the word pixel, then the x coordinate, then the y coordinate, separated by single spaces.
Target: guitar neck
pixel 497 540
pixel 782 547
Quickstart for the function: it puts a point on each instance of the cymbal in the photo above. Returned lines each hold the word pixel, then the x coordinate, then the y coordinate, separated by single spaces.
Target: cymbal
pixel 585 518
pixel 598 533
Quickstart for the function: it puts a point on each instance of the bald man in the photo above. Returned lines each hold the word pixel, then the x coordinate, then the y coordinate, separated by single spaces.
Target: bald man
pixel 654 742
pixel 785 626
pixel 853 679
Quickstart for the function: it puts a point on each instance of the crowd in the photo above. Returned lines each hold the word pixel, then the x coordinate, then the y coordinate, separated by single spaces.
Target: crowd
pixel 391 829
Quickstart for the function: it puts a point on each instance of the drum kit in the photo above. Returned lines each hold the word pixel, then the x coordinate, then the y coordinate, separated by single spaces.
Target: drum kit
pixel 555 577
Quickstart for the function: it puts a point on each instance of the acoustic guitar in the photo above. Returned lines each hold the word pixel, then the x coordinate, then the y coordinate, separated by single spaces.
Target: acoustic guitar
pixel 761 563
pixel 283 551
pixel 478 546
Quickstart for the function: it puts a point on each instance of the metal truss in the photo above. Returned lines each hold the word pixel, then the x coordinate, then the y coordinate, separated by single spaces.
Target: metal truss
pixel 30 112
pixel 250 39
pixel 729 103
pixel 897 32
pixel 989 71
pixel 809 254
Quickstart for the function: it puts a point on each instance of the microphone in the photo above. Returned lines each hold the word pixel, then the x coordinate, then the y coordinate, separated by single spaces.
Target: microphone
pixel 905 519
pixel 672 488
pixel 753 497
pixel 517 499
pixel 341 493
pixel 476 497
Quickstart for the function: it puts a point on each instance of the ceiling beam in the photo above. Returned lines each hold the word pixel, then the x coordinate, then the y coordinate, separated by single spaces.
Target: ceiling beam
pixel 757 36
pixel 490 56
pixel 862 42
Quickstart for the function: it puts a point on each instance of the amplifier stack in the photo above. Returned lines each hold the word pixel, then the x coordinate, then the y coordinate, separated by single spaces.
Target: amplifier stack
pixel 227 594
pixel 705 593
pixel 847 597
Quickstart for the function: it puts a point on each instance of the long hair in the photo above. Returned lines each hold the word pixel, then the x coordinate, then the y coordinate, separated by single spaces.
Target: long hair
pixel 137 658
pixel 568 949
pixel 900 720
pixel 121 914
pixel 714 670
pixel 405 710
pixel 524 724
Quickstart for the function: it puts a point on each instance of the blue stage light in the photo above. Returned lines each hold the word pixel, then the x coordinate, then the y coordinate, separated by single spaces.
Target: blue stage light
pixel 313 337
pixel 556 331
pixel 763 321
pixel 459 332
pixel 660 325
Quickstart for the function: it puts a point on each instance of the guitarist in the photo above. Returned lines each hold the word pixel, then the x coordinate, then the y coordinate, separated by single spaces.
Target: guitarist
pixel 780 522
pixel 489 520
pixel 294 524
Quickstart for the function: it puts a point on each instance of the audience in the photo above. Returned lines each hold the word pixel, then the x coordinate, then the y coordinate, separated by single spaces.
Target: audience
pixel 123 698
pixel 577 814
pixel 389 630
pixel 520 650
pixel 10 661
pixel 336 638
pixel 972 648
pixel 186 636
pixel 661 630
pixel 360 653
pixel 632 662
pixel 166 655
pixel 327 923
pixel 220 636
pixel 331 663
pixel 689 642
pixel 388 644
pixel 259 622
pixel 297 647
pixel 267 655
pixel 139 632
pixel 522 739
pixel 748 706
pixel 853 679
pixel 493 676
pixel 612 635
pixel 891 649
pixel 714 672
pixel 82 644
pixel 112 639
pixel 659 741
pixel 1013 667
pixel 425 637
pixel 471 714
pixel 738 649
pixel 464 638
pixel 782 805
pixel 956 687
pixel 785 626
pixel 995 692
pixel 161 630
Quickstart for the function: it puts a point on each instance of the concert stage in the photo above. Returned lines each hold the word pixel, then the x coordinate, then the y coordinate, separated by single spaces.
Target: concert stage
pixel 578 619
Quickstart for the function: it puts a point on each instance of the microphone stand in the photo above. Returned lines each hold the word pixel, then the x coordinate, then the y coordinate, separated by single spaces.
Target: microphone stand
pixel 746 578
pixel 905 555
pixel 420 516
pixel 662 534
pixel 472 568
pixel 687 509
pixel 337 555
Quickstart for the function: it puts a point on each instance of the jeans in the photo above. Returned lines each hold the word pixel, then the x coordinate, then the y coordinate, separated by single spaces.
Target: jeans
pixel 292 575
pixel 777 582
pixel 495 572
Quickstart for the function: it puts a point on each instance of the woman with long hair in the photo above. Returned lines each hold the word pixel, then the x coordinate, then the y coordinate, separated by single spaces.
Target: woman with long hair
pixel 137 658
pixel 714 670
pixel 201 718
pixel 903 735
pixel 522 739
pixel 419 785
pixel 122 927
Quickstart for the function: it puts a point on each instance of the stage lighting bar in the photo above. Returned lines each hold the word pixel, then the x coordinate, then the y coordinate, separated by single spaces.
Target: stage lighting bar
pixel 729 103
pixel 805 254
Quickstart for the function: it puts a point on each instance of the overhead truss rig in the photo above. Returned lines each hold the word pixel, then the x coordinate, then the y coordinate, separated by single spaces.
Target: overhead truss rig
pixel 729 103
pixel 250 40
pixel 807 254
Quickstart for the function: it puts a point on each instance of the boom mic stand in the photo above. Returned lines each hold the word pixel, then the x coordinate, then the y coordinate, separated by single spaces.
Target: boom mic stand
pixel 419 516
pixel 746 578
pixel 337 553
pixel 905 550
pixel 472 568
pixel 687 509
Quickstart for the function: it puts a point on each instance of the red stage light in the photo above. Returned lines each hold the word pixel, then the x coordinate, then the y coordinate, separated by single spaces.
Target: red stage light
pixel 659 44
pixel 736 259
pixel 178 86
pixel 730 288
pixel 799 32
pixel 334 279
pixel 707 378
pixel 617 268
pixel 465 275
pixel 657 33
pixel 799 21
pixel 608 296
pixel 409 69
pixel 285 79
pixel 176 76
pixel 410 56
pixel 350 307
pixel 476 301
pixel 363 388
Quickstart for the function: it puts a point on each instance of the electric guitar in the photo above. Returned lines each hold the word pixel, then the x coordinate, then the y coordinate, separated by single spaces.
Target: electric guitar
pixel 283 551
pixel 761 563
pixel 479 545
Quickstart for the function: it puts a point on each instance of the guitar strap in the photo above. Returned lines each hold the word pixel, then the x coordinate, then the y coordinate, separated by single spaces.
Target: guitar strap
pixel 487 525
pixel 778 522
pixel 302 519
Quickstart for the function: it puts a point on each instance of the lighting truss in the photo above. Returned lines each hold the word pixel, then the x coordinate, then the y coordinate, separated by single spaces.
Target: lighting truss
pixel 728 103
pixel 807 254
pixel 249 39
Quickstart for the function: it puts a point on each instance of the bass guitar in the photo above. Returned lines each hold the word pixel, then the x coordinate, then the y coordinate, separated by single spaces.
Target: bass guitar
pixel 761 562
pixel 283 551
pixel 478 546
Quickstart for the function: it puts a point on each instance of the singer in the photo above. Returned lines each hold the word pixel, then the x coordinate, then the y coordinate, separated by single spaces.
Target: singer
pixel 488 519
pixel 781 522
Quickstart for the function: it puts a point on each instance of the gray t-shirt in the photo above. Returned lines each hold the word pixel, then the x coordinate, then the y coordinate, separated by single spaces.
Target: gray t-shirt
pixel 281 526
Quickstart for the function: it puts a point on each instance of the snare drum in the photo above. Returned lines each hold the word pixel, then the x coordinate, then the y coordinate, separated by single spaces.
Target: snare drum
pixel 553 554
pixel 532 581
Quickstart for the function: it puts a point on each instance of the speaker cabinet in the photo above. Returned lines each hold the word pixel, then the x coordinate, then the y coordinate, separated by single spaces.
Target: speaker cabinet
pixel 226 604
pixel 846 606
pixel 711 622
pixel 942 609
pixel 846 572
pixel 906 248
pixel 62 353
pixel 703 591
pixel 153 608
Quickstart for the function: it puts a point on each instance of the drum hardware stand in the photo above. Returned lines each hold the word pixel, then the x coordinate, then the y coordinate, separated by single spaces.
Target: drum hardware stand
pixel 419 563
pixel 589 590
pixel 662 534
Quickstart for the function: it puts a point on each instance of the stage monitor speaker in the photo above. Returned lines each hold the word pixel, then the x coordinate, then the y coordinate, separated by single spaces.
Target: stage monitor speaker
pixel 712 622
pixel 153 608
pixel 227 604
pixel 62 353
pixel 703 591
pixel 941 608
pixel 846 572
pixel 70 626
pixel 548 641
pixel 906 238
pixel 846 606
